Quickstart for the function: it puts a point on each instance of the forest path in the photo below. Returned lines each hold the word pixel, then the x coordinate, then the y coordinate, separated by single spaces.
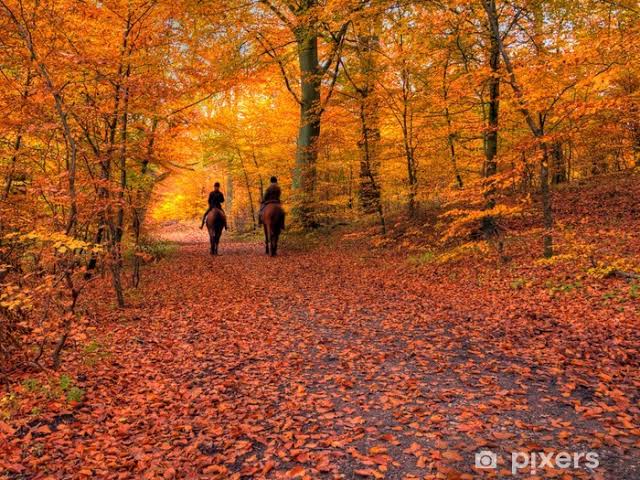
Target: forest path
pixel 327 363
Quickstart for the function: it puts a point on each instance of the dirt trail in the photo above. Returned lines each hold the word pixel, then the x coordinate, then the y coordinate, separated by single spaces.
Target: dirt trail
pixel 321 364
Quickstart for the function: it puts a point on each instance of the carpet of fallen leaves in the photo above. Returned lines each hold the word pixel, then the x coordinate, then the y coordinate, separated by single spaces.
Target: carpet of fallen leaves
pixel 342 361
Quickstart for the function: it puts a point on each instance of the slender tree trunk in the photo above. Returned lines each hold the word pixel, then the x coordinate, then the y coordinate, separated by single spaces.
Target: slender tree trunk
pixel 489 224
pixel 536 129
pixel 261 183
pixel 451 136
pixel 18 142
pixel 412 177
pixel 118 230
pixel 369 161
pixel 229 197
pixel 369 143
pixel 559 164
pixel 491 133
pixel 546 202
pixel 635 148
pixel 407 139
pixel 369 155
pixel 248 187
pixel 12 166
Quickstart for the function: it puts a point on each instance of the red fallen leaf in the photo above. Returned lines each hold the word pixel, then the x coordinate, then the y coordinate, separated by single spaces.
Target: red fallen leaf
pixel 503 435
pixel 215 469
pixel 381 459
pixel 249 470
pixel 302 457
pixel 441 445
pixel 6 428
pixel 377 449
pixel 413 448
pixel 323 464
pixel 43 429
pixel 14 467
pixel 169 473
pixel 369 472
pixel 388 437
pixel 268 466
pixel 452 455
pixel 295 472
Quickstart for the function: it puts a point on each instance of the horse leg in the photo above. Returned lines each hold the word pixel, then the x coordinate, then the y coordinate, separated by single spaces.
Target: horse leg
pixel 212 242
pixel 274 242
pixel 218 236
pixel 266 238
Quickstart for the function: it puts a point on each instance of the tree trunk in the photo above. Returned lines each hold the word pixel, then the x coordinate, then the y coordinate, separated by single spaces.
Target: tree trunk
pixel 546 202
pixel 118 231
pixel 18 143
pixel 261 183
pixel 248 187
pixel 635 132
pixel 491 133
pixel 559 164
pixel 536 129
pixel 369 144
pixel 407 139
pixel 451 135
pixel 309 129
pixel 141 201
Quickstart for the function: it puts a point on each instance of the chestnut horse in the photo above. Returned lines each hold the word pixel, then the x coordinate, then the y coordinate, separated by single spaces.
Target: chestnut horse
pixel 215 223
pixel 273 220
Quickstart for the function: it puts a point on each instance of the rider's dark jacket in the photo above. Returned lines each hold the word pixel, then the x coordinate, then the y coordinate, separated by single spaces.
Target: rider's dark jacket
pixel 216 199
pixel 272 194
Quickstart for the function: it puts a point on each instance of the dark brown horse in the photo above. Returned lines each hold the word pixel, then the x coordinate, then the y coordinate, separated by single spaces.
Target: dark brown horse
pixel 215 223
pixel 273 220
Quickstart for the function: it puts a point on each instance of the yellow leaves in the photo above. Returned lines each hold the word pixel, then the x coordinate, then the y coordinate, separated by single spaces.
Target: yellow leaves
pixel 58 241
pixel 15 299
pixel 464 220
pixel 556 259
pixel 464 250
pixel 612 267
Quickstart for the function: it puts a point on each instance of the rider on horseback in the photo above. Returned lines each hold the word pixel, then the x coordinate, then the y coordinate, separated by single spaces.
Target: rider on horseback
pixel 216 199
pixel 271 195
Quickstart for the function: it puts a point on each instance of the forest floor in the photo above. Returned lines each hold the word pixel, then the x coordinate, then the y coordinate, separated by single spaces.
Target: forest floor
pixel 348 361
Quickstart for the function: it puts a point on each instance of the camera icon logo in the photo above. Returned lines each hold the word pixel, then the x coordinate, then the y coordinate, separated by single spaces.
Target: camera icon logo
pixel 486 459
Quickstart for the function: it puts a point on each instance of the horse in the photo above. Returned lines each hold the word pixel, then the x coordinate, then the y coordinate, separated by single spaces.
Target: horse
pixel 216 221
pixel 273 221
